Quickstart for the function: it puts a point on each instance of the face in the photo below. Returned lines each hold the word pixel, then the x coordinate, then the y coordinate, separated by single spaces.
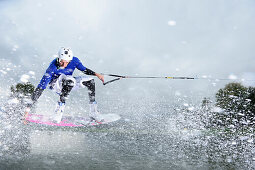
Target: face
pixel 63 63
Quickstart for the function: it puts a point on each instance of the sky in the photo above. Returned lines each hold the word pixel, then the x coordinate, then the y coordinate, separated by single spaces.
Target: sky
pixel 212 38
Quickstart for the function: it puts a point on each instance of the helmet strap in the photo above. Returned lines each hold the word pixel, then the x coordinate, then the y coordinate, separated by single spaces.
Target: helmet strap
pixel 58 63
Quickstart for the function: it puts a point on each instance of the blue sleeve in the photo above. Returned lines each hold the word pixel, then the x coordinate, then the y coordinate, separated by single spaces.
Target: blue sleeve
pixel 79 65
pixel 47 77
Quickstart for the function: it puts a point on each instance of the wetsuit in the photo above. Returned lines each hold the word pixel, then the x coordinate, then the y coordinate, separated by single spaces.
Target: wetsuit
pixel 54 71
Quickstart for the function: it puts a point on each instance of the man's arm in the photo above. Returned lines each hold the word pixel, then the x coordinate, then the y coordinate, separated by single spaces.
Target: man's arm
pixel 34 97
pixel 40 88
pixel 90 72
pixel 37 93
pixel 100 76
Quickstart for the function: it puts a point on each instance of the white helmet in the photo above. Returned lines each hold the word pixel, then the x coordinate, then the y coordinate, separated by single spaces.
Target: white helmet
pixel 65 54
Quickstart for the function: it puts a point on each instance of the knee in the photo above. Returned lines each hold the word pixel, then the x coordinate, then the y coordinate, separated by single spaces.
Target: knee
pixel 92 82
pixel 89 83
pixel 69 81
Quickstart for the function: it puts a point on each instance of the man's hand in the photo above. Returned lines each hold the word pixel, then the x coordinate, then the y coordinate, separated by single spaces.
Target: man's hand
pixel 101 77
pixel 29 105
pixel 27 110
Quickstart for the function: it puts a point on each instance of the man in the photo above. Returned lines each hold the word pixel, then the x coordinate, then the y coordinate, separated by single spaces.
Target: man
pixel 59 78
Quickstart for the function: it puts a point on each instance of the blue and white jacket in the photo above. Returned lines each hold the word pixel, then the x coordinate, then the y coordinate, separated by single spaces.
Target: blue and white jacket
pixel 53 71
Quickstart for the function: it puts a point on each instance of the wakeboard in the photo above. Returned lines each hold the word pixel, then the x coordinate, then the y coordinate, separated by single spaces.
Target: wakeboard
pixel 70 121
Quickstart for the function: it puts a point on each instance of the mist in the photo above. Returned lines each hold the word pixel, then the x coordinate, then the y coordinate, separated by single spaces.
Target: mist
pixel 146 38
pixel 161 123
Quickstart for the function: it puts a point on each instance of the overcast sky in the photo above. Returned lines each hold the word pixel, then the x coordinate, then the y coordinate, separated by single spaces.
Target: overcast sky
pixel 144 37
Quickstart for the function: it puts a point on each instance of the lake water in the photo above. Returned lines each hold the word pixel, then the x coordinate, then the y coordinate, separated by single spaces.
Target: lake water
pixel 148 140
